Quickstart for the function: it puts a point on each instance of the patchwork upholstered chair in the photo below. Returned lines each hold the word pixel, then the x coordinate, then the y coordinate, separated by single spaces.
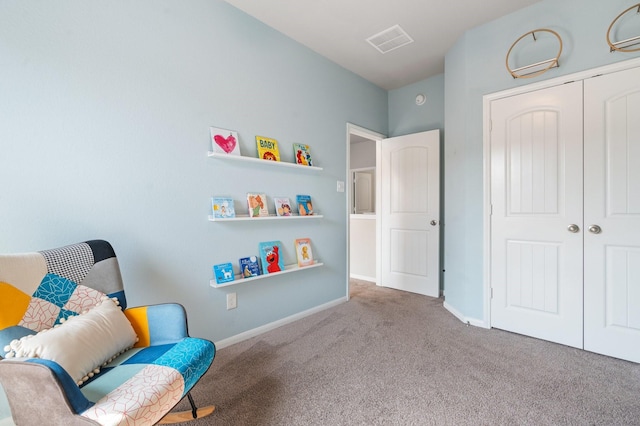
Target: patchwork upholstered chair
pixel 75 355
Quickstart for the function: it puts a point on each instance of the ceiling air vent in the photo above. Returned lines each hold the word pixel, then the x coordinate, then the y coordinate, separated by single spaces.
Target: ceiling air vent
pixel 390 39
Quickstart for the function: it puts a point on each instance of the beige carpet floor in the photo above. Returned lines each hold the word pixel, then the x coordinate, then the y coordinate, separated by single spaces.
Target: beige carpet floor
pixel 393 358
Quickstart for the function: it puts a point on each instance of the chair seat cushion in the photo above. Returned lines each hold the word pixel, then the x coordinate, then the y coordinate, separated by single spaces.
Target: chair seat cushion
pixel 142 384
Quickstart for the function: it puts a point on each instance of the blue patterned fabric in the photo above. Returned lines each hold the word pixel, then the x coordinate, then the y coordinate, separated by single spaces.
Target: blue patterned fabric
pixel 55 289
pixel 191 357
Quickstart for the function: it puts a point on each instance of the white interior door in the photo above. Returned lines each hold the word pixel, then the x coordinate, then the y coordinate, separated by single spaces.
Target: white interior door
pixel 612 202
pixel 536 195
pixel 410 212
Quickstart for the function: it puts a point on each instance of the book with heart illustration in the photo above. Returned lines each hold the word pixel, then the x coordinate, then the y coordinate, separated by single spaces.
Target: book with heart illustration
pixel 224 141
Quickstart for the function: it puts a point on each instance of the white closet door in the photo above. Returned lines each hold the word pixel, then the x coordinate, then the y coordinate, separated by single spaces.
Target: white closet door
pixel 612 203
pixel 536 195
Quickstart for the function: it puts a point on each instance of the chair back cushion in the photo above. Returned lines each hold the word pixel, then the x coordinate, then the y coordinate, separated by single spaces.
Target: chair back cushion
pixel 39 289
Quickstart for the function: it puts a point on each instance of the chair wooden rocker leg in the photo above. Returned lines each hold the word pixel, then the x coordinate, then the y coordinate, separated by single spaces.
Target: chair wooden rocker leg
pixel 184 416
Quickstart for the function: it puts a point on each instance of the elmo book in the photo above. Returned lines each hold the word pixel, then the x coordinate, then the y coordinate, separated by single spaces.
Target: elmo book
pixel 271 256
pixel 302 154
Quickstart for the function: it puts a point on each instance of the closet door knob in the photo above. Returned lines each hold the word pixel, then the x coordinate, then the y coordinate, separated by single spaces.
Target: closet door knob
pixel 573 228
pixel 595 229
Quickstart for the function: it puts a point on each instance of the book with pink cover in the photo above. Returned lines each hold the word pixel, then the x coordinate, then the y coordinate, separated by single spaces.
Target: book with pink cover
pixel 283 206
pixel 303 252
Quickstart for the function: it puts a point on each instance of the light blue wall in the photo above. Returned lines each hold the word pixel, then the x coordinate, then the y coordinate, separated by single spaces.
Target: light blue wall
pixel 475 66
pixel 105 108
pixel 405 117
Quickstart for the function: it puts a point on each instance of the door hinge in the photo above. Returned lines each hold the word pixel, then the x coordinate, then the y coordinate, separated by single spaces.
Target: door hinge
pixel 491 291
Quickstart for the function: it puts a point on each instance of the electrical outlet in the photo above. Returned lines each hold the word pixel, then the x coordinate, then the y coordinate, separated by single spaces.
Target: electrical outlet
pixel 232 301
pixel 340 186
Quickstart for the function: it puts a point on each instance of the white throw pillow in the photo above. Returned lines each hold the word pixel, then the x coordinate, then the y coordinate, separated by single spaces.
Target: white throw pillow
pixel 81 344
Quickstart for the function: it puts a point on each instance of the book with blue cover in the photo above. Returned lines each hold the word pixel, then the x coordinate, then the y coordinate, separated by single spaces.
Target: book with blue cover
pixel 271 256
pixel 223 273
pixel 305 207
pixel 250 266
pixel 222 207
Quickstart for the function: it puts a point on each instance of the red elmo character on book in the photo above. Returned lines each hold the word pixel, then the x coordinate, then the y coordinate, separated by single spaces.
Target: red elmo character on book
pixel 272 259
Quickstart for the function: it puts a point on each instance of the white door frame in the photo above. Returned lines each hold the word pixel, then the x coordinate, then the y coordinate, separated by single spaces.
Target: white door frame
pixel 353 129
pixel 486 137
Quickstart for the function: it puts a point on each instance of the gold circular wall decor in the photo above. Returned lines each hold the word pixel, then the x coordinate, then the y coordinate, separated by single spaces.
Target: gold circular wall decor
pixel 546 64
pixel 613 46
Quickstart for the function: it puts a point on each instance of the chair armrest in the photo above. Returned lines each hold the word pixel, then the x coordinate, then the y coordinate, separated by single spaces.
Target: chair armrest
pixel 158 324
pixel 41 392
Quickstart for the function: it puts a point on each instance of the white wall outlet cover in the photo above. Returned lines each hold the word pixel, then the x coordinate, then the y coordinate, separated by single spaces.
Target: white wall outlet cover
pixel 232 301
pixel 340 186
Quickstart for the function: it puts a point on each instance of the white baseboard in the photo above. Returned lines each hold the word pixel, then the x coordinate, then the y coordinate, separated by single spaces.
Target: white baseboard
pixel 362 277
pixel 271 326
pixel 469 321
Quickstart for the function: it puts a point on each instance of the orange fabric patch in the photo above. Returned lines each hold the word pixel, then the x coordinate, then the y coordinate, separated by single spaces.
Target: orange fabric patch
pixel 140 323
pixel 13 305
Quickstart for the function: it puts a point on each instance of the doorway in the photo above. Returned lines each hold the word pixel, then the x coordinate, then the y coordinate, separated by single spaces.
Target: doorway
pixel 362 202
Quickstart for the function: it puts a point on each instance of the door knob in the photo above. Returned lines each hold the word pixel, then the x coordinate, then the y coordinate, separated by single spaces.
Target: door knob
pixel 573 228
pixel 595 229
pixel 434 222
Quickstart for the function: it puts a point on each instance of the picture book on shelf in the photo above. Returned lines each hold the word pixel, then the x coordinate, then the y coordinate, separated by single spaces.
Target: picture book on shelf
pixel 303 252
pixel 268 148
pixel 257 205
pixel 223 273
pixel 222 207
pixel 271 256
pixel 224 141
pixel 305 207
pixel 249 267
pixel 302 154
pixel 283 206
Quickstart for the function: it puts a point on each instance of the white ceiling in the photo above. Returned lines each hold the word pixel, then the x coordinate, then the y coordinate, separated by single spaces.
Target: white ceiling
pixel 338 29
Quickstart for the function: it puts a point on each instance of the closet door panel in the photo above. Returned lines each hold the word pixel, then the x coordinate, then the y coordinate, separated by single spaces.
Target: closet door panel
pixel 612 215
pixel 536 193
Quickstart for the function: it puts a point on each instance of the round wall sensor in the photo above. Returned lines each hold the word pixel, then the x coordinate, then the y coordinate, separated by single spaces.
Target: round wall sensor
pixel 420 99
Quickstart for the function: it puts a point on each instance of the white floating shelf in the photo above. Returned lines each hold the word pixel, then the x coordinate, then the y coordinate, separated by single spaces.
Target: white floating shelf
pixel 270 217
pixel 261 161
pixel 287 269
